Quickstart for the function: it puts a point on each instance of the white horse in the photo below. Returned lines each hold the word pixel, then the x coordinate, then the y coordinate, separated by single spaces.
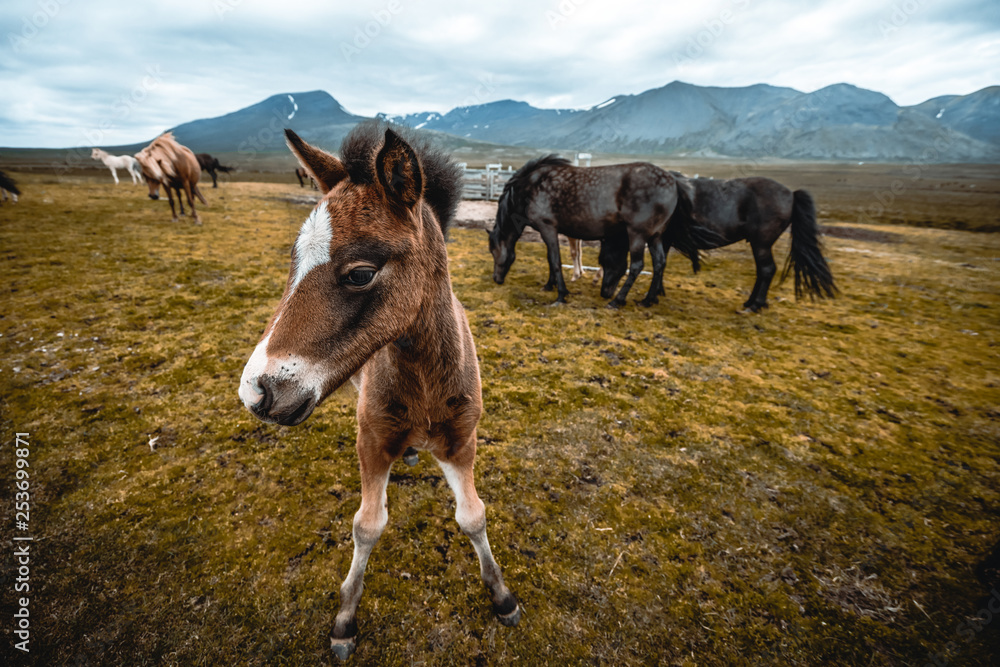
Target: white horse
pixel 114 162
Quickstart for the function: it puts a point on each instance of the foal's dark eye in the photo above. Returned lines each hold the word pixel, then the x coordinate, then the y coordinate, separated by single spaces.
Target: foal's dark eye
pixel 359 277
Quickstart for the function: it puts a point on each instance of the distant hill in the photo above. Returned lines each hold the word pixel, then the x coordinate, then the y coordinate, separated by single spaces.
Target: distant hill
pixel 316 116
pixel 839 122
pixel 976 115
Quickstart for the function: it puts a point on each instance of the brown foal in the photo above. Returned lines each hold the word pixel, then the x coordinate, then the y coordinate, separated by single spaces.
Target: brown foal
pixel 369 298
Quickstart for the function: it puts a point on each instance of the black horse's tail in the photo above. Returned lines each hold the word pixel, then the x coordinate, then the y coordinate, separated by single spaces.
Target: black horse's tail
pixel 812 274
pixel 687 235
pixel 7 183
pixel 224 170
pixel 681 233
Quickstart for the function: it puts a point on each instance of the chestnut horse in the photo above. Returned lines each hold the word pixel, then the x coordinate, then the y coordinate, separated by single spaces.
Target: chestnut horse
pixel 369 298
pixel 587 203
pixel 174 166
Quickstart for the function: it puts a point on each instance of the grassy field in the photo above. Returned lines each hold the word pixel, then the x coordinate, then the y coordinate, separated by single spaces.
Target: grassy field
pixel 684 485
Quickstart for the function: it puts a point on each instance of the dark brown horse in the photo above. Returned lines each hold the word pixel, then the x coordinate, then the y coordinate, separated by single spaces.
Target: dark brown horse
pixel 554 197
pixel 757 210
pixel 211 165
pixel 369 299
pixel 174 166
pixel 304 176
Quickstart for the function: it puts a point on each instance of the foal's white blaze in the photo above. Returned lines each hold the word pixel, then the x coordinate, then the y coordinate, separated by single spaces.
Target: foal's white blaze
pixel 312 249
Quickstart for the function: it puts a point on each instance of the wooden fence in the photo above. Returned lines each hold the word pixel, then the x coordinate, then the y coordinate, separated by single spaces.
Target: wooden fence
pixel 486 184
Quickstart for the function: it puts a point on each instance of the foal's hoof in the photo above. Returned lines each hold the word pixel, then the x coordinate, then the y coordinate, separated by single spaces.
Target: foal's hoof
pixel 410 457
pixel 342 648
pixel 615 305
pixel 511 618
pixel 646 303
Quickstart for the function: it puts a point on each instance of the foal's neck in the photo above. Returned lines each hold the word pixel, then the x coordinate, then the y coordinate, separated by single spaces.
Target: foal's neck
pixel 435 337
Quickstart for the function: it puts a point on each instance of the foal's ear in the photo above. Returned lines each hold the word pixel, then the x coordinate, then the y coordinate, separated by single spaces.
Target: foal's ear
pixel 398 171
pixel 325 169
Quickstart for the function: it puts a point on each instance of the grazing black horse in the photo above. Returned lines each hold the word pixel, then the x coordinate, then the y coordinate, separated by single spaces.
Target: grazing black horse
pixel 8 188
pixel 554 197
pixel 758 210
pixel 211 165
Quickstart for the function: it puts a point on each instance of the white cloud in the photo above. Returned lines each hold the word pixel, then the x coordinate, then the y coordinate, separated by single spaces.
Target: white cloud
pixel 78 64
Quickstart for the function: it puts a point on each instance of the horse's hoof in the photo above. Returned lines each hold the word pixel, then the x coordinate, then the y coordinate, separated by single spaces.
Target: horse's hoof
pixel 411 459
pixel 342 648
pixel 646 303
pixel 615 305
pixel 548 288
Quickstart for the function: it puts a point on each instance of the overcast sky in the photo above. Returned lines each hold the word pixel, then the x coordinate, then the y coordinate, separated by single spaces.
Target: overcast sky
pixel 96 72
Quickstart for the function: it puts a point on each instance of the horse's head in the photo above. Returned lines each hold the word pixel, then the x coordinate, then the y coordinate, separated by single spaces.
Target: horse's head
pixel 95 154
pixel 360 271
pixel 151 171
pixel 502 241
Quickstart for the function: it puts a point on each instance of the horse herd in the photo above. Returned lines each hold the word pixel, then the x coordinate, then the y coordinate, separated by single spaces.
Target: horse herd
pixel 369 299
pixel 166 162
pixel 629 207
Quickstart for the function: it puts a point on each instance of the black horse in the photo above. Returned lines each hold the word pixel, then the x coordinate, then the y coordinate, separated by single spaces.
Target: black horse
pixel 211 165
pixel 721 212
pixel 554 197
pixel 8 188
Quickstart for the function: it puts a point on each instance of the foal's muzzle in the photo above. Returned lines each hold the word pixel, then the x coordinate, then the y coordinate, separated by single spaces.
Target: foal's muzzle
pixel 281 402
pixel 154 197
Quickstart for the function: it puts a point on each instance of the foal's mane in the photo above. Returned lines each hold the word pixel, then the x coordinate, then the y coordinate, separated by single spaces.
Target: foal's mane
pixel 442 176
pixel 510 208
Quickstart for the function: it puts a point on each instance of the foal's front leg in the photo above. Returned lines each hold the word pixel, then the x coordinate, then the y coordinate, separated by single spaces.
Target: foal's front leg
pixel 470 513
pixel 369 523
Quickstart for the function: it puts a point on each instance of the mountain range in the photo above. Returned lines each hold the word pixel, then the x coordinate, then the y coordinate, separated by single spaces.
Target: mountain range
pixel 839 122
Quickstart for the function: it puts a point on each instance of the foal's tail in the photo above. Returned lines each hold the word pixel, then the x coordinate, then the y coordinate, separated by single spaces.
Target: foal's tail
pixel 812 274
